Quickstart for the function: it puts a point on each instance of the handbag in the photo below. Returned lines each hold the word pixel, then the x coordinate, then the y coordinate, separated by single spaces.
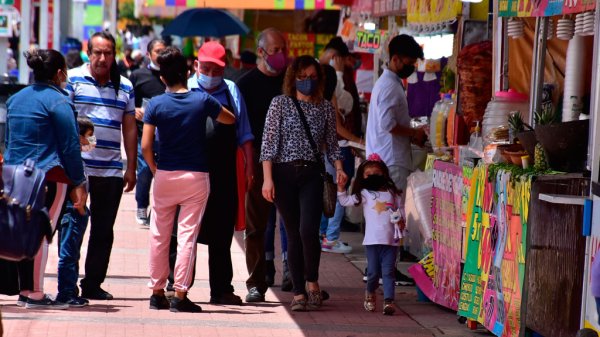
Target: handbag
pixel 24 219
pixel 329 188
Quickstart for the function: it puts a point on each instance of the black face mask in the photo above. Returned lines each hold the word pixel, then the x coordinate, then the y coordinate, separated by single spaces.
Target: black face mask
pixel 374 182
pixel 406 71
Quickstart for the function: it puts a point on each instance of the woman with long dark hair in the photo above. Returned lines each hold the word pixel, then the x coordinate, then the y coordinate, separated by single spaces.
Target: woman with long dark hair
pixel 292 170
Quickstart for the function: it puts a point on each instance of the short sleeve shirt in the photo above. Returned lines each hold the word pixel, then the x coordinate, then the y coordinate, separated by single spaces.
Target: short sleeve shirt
pixel 180 119
pixel 105 107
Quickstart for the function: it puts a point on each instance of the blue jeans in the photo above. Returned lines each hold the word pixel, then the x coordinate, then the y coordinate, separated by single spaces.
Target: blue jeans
pixel 144 180
pixel 331 227
pixel 381 262
pixel 270 237
pixel 72 229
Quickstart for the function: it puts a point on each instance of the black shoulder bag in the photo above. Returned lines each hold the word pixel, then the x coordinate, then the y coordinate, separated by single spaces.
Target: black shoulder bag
pixel 329 188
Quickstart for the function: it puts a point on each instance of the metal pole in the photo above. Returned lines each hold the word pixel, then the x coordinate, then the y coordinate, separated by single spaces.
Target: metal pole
pixel 24 40
pixel 56 24
pixel 538 66
pixel 504 76
pixel 3 55
pixel 43 29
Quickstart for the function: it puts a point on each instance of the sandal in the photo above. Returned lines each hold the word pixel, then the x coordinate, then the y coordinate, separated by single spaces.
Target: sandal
pixel 298 304
pixel 315 299
pixel 369 303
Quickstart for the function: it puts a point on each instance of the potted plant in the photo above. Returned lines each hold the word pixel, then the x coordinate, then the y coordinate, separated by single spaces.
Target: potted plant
pixel 520 130
pixel 563 145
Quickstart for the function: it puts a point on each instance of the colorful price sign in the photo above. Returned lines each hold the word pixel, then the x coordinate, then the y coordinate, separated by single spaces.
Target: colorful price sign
pixel 370 41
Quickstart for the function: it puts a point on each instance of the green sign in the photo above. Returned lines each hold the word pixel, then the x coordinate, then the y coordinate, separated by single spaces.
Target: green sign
pixel 7 2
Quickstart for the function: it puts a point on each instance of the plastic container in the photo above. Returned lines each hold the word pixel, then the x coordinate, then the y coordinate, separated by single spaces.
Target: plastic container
pixel 433 131
pixel 498 110
pixel 476 142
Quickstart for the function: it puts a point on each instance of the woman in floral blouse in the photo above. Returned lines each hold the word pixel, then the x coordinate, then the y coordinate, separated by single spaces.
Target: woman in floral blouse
pixel 292 173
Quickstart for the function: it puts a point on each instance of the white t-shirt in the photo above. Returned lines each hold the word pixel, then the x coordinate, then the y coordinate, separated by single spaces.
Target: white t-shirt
pixel 387 109
pixel 377 207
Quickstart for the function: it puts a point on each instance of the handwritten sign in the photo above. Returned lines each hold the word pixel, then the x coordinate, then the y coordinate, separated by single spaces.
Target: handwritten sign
pixel 447 232
pixel 301 44
pixel 370 41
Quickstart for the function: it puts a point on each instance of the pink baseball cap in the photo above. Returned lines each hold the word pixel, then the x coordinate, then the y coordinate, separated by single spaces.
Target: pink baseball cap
pixel 212 51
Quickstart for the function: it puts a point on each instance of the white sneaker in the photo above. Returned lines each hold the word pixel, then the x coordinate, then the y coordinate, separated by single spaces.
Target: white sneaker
pixel 335 247
pixel 141 216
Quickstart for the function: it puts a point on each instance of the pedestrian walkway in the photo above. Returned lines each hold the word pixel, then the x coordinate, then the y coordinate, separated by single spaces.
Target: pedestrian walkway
pixel 128 314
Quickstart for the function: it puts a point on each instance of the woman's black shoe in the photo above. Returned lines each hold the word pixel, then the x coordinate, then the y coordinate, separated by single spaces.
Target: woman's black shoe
pixel 159 302
pixel 184 305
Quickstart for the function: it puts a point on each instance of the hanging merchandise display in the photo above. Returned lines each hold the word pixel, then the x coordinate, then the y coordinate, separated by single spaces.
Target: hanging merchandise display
pixel 577 78
pixel 515 28
pixel 565 28
pixel 426 16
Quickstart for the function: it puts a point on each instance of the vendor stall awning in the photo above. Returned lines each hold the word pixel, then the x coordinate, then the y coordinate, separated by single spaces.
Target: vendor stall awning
pixel 169 8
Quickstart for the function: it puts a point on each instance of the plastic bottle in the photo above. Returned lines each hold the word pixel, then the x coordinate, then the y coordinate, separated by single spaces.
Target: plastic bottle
pixel 433 129
pixel 476 142
pixel 440 122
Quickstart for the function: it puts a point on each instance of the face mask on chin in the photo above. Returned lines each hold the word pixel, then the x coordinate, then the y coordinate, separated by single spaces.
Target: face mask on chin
pixel 153 66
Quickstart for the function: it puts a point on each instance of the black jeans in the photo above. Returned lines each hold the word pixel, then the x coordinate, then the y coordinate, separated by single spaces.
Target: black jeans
pixel 299 199
pixel 105 197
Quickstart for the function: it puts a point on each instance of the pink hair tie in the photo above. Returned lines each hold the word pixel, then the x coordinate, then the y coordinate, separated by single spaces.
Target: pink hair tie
pixel 374 157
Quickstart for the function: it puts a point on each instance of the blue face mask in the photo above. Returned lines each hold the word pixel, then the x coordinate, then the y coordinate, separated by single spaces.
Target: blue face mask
pixel 208 82
pixel 307 87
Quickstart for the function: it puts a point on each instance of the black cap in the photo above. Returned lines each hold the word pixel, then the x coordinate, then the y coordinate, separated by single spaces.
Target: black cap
pixel 338 45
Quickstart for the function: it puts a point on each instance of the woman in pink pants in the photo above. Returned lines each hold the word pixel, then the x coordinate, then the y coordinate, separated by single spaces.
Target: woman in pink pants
pixel 181 176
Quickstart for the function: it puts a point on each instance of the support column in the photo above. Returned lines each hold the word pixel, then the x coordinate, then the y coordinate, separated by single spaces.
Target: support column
pixel 56 38
pixel 538 66
pixel 43 27
pixel 24 40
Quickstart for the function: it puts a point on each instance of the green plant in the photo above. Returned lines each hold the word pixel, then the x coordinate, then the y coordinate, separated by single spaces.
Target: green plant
pixel 516 123
pixel 544 117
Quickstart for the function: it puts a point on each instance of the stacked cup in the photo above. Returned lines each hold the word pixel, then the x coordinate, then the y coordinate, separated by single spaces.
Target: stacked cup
pixel 565 29
pixel 579 21
pixel 515 28
pixel 589 19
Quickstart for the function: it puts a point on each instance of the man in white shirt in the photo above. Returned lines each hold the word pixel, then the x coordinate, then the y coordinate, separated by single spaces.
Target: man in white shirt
pixel 388 126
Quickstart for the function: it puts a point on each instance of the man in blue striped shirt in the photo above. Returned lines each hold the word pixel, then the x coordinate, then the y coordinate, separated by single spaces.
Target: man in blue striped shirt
pixel 101 94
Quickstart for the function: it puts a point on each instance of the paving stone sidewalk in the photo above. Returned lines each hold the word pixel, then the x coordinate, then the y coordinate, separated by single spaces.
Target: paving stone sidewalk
pixel 128 314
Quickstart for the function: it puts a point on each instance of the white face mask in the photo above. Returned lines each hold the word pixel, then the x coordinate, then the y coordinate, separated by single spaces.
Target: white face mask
pixel 154 66
pixel 87 148
pixel 63 84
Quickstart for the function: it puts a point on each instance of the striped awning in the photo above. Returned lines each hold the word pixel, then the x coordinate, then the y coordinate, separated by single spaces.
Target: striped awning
pixel 171 8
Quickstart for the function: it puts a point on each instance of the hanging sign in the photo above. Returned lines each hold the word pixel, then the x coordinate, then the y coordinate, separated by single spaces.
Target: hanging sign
pixel 5 24
pixel 540 8
pixel 367 41
pixel 388 7
pixel 432 11
pixel 301 44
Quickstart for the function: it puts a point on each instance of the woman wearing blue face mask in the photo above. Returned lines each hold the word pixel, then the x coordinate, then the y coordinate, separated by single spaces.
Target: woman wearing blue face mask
pixel 292 172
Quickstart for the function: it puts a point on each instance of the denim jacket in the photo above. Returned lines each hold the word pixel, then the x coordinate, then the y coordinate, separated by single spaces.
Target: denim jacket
pixel 41 126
